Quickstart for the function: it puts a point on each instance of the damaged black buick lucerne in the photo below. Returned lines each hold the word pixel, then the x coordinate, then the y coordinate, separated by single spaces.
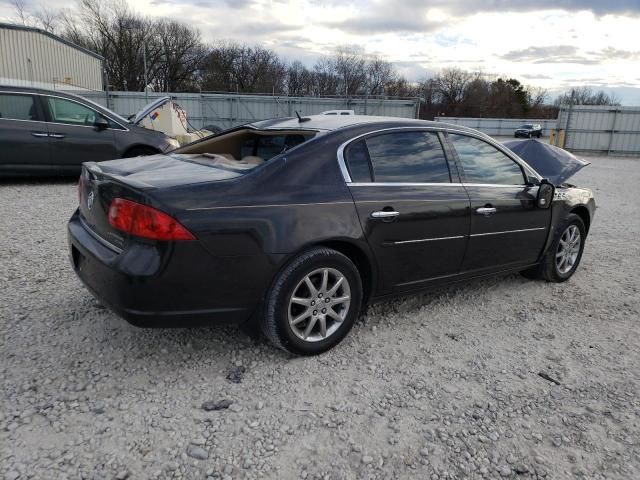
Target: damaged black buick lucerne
pixel 294 224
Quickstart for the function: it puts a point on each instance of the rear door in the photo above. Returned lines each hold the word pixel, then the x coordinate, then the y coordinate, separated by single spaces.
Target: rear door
pixel 413 210
pixel 507 229
pixel 73 137
pixel 24 141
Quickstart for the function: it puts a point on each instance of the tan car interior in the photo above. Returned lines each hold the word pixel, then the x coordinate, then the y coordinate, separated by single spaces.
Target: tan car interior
pixel 230 149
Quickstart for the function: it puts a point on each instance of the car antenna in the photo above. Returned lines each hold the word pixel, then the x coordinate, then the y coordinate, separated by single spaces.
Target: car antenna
pixel 302 119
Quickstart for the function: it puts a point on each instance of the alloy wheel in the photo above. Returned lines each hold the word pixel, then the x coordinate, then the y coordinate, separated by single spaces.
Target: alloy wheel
pixel 319 304
pixel 568 249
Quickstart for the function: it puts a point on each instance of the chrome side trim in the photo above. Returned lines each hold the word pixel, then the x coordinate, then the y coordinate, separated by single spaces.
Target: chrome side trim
pixel 420 240
pixel 457 237
pixel 427 184
pixel 401 184
pixel 103 241
pixel 57 123
pixel 480 136
pixel 508 231
pixel 269 206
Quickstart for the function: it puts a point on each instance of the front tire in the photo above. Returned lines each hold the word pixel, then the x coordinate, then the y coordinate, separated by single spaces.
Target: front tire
pixel 564 255
pixel 313 302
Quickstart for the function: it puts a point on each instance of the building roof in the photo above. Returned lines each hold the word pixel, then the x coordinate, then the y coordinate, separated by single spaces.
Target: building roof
pixel 13 26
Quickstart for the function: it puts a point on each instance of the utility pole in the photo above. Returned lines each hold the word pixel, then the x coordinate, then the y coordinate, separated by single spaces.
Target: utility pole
pixel 144 65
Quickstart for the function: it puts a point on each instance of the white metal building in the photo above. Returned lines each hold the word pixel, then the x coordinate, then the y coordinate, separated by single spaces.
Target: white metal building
pixel 32 57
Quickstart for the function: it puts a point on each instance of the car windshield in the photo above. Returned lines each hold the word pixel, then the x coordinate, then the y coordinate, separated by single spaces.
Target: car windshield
pixel 527 125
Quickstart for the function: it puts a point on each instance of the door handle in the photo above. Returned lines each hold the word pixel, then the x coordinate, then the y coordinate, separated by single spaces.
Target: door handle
pixel 385 214
pixel 486 211
pixel 56 135
pixel 39 134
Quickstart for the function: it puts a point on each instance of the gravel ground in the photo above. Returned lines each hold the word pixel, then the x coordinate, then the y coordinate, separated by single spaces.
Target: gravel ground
pixel 442 385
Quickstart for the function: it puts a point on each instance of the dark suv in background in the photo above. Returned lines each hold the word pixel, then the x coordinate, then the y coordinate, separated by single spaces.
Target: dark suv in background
pixel 529 130
pixel 45 132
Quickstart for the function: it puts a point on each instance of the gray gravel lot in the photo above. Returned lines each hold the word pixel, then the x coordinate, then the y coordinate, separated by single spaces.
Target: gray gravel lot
pixel 442 385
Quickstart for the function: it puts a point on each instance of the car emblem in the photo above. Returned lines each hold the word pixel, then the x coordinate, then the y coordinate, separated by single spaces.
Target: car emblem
pixel 90 200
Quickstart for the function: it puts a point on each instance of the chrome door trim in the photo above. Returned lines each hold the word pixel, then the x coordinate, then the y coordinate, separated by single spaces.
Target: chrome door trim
pixel 420 240
pixel 432 184
pixel 63 98
pixel 269 206
pixel 507 231
pixel 480 136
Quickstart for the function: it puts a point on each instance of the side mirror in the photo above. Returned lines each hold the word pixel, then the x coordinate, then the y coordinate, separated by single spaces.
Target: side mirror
pixel 101 123
pixel 546 191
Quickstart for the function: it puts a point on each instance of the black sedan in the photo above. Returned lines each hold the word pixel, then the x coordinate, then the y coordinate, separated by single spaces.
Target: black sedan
pixel 44 132
pixel 294 224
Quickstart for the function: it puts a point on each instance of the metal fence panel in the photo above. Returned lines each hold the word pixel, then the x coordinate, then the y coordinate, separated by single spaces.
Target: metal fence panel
pixel 611 129
pixel 498 126
pixel 229 110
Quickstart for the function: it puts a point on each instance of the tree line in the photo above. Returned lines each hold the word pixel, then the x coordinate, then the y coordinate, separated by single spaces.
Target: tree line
pixel 178 60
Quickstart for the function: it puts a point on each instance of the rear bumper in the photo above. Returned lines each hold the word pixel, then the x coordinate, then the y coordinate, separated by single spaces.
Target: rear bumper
pixel 166 284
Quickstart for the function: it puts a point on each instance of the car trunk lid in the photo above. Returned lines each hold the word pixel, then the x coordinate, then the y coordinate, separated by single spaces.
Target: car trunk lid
pixel 137 179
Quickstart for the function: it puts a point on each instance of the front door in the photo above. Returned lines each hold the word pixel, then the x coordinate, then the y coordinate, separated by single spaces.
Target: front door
pixel 24 140
pixel 73 136
pixel 415 218
pixel 507 230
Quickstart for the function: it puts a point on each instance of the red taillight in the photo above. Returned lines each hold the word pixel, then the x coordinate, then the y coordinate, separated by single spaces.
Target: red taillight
pixel 143 221
pixel 80 188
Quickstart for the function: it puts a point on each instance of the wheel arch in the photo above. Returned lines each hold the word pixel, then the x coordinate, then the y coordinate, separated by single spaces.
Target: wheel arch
pixel 361 259
pixel 583 213
pixel 140 146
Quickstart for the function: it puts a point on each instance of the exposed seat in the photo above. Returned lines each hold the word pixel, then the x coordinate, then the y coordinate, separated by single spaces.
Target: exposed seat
pixel 253 160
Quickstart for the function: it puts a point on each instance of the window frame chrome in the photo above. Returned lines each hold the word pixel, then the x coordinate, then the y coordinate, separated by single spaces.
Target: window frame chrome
pixel 39 94
pixel 521 163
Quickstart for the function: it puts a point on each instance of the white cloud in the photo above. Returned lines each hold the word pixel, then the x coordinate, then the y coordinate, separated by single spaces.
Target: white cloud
pixel 546 46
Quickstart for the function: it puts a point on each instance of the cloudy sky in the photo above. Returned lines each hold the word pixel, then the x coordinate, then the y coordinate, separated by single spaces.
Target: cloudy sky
pixel 554 44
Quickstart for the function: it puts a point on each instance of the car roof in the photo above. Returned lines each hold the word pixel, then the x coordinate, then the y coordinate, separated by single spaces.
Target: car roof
pixel 39 91
pixel 337 122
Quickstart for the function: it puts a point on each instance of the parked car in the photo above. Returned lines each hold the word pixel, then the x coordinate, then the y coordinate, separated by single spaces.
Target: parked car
pixel 339 112
pixel 45 132
pixel 529 130
pixel 294 224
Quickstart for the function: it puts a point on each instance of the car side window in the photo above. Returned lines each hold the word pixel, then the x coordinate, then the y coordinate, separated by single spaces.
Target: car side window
pixel 484 163
pixel 71 113
pixel 357 159
pixel 18 107
pixel 408 157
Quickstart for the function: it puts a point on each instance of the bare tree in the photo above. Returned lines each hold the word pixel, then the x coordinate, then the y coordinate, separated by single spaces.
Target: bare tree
pixel 379 74
pixel 451 84
pixel 300 80
pixel 180 55
pixel 326 81
pixel 349 66
pixel 586 96
pixel 234 67
pixel 41 17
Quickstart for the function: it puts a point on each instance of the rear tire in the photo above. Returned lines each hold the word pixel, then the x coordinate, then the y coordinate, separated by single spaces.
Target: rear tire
pixel 139 152
pixel 564 255
pixel 313 302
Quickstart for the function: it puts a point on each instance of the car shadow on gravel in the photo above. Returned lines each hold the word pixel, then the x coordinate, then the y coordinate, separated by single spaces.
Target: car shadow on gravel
pixel 466 292
pixel 219 340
